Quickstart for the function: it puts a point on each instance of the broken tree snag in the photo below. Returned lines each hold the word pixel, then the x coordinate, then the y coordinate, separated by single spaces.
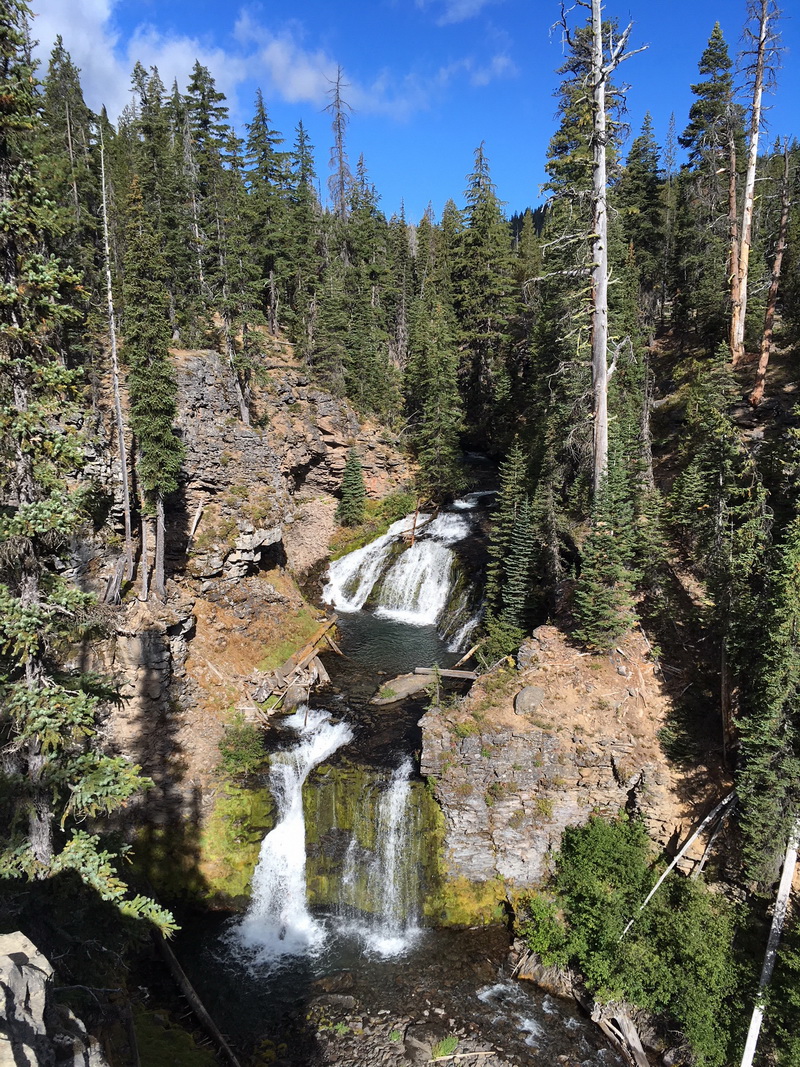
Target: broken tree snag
pixel 778 918
pixel 765 42
pixel 605 58
pixel 757 394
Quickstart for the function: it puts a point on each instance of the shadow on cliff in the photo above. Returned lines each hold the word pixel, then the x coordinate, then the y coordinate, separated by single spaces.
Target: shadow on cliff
pixel 690 675
pixel 167 847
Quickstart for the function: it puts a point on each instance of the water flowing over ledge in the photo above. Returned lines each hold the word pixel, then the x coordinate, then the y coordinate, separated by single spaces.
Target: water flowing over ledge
pixel 419 584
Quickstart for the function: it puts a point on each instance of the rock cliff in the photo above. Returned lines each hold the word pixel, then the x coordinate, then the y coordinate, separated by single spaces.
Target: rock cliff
pixel 35 1030
pixel 543 745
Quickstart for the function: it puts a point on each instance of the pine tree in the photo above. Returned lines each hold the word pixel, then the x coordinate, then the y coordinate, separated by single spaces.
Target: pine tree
pixel 641 206
pixel 435 409
pixel 350 511
pixel 267 183
pixel 151 381
pixel 55 774
pixel 603 599
pixel 703 240
pixel 484 296
pixel 514 489
pixel 301 245
pixel 769 723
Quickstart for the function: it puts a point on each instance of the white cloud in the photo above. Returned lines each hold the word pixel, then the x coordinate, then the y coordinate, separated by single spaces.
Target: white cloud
pixel 458 10
pixel 278 60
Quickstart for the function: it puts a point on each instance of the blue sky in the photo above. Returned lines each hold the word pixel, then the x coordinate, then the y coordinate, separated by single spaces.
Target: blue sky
pixel 428 80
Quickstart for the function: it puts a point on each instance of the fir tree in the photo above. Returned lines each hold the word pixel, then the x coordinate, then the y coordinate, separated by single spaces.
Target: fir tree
pixel 55 774
pixel 768 781
pixel 350 511
pixel 603 600
pixel 151 381
pixel 437 414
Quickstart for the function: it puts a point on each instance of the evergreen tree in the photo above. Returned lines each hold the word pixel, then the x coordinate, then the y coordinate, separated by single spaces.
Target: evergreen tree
pixel 350 511
pixel 603 601
pixel 151 381
pixel 437 414
pixel 641 206
pixel 768 781
pixel 513 493
pixel 55 774
pixel 703 237
pixel 484 298
pixel 267 183
pixel 301 245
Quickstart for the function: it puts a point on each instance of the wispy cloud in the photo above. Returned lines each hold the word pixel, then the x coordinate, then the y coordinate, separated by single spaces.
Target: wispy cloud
pixel 280 60
pixel 456 10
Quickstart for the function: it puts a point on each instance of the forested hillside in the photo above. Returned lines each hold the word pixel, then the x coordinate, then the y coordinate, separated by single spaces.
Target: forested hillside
pixel 625 350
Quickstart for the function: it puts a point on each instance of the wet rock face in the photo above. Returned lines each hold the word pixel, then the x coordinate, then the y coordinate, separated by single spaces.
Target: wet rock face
pixel 543 747
pixel 34 1031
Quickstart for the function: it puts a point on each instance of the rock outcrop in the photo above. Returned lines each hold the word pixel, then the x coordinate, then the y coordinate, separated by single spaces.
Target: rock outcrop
pixel 540 747
pixel 35 1031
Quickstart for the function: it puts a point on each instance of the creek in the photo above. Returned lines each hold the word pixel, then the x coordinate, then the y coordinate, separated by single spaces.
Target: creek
pixel 341 922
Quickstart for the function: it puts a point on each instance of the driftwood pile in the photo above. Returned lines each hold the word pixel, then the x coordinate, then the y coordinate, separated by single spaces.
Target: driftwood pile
pixel 291 683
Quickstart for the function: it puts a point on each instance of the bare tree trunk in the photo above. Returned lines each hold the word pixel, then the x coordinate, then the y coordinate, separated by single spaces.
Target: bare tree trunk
pixel 776 930
pixel 118 418
pixel 601 69
pixel 733 235
pixel 763 11
pixel 159 584
pixel 75 198
pixel 145 561
pixel 599 257
pixel 757 394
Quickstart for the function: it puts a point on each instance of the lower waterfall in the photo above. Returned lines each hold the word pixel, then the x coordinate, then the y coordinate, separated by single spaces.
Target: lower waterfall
pixel 278 922
pixel 384 886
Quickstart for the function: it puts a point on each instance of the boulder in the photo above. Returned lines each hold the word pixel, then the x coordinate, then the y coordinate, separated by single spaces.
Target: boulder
pixel 528 699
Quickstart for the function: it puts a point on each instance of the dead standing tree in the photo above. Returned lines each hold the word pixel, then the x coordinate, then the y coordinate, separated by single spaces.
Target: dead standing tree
pixel 757 394
pixel 606 56
pixel 762 70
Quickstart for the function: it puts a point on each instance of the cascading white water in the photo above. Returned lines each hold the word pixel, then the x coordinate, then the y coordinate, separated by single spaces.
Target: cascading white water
pixel 391 898
pixel 412 585
pixel 351 578
pixel 278 922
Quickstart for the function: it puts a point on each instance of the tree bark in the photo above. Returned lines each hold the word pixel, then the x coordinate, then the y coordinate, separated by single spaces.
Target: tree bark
pixel 764 14
pixel 757 394
pixel 159 584
pixel 733 235
pixel 599 257
pixel 778 918
pixel 118 417
pixel 145 562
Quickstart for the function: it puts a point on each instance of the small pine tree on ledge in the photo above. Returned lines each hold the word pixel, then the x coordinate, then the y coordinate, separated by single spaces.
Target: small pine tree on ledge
pixel 354 494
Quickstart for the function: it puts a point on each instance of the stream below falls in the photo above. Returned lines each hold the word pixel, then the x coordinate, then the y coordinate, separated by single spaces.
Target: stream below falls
pixel 334 962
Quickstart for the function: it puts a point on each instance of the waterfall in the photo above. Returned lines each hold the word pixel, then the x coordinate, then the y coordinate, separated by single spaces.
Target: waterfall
pixel 384 885
pixel 278 922
pixel 407 583
pixel 351 578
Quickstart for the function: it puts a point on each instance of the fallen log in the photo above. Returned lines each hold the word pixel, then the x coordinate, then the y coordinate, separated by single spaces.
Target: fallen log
pixel 468 675
pixel 195 1003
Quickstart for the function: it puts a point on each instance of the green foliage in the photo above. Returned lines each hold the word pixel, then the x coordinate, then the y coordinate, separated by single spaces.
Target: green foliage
pixel 502 639
pixel 445 1047
pixel 242 748
pixel 603 603
pixel 350 511
pixel 677 959
pixel 542 929
pixel 54 770
pixel 769 722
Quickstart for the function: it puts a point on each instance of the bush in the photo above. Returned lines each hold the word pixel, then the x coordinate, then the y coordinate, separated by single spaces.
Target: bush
pixel 677 960
pixel 242 748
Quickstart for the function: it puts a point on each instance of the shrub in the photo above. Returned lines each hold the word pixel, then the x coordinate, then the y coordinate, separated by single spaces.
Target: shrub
pixel 241 748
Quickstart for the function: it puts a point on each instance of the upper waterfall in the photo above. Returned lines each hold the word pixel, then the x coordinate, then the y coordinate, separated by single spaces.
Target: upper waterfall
pixel 407 582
